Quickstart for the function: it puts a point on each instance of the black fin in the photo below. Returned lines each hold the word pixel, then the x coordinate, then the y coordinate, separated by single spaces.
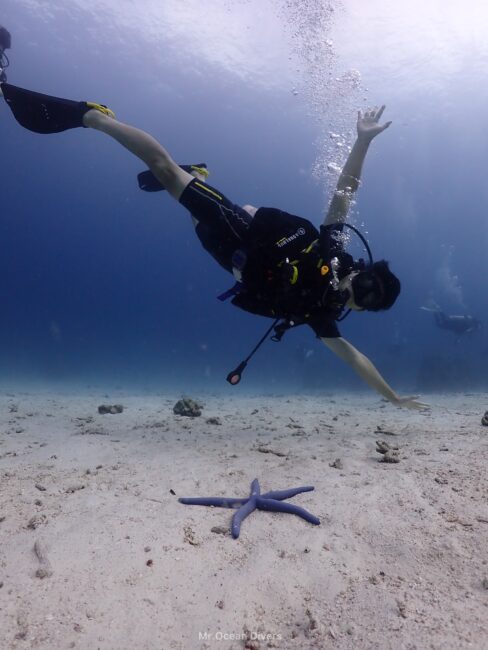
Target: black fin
pixel 43 113
pixel 149 183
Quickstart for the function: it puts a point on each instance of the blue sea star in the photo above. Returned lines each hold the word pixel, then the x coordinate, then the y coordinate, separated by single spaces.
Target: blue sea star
pixel 271 501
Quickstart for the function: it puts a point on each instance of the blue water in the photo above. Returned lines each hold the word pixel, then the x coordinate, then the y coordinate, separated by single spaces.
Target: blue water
pixel 101 283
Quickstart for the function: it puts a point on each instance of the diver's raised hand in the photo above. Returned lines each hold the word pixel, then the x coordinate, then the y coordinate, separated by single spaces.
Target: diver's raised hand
pixel 368 123
pixel 411 403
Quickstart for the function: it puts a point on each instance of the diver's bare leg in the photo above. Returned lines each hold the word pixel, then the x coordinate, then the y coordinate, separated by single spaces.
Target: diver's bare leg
pixel 145 147
pixel 250 209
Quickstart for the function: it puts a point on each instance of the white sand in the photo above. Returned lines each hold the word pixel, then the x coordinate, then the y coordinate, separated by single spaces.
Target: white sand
pixel 399 561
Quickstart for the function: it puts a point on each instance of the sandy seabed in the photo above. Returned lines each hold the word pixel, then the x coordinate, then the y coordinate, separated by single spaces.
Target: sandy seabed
pixel 97 552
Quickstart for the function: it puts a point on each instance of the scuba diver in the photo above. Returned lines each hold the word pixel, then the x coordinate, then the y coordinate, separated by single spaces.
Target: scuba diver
pixel 284 267
pixel 459 325
pixel 5 44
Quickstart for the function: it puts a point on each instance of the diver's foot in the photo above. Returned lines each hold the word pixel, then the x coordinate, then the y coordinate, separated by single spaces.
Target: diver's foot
pixel 94 111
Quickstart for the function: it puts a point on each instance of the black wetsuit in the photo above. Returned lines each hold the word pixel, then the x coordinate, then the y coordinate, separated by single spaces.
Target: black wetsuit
pixel 266 241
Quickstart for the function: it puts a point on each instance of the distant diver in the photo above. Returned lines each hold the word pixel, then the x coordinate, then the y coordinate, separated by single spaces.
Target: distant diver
pixel 458 324
pixel 464 324
pixel 5 44
pixel 285 269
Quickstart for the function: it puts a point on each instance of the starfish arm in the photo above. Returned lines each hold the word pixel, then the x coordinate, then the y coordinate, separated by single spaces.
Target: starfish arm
pixel 287 494
pixel 272 505
pixel 218 502
pixel 240 515
pixel 255 488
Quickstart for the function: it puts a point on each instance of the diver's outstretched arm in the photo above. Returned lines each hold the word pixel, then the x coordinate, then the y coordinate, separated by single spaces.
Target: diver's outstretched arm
pixel 145 147
pixel 368 127
pixel 367 371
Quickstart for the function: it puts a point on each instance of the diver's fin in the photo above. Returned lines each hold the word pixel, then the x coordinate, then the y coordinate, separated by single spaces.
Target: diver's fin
pixel 46 114
pixel 149 183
